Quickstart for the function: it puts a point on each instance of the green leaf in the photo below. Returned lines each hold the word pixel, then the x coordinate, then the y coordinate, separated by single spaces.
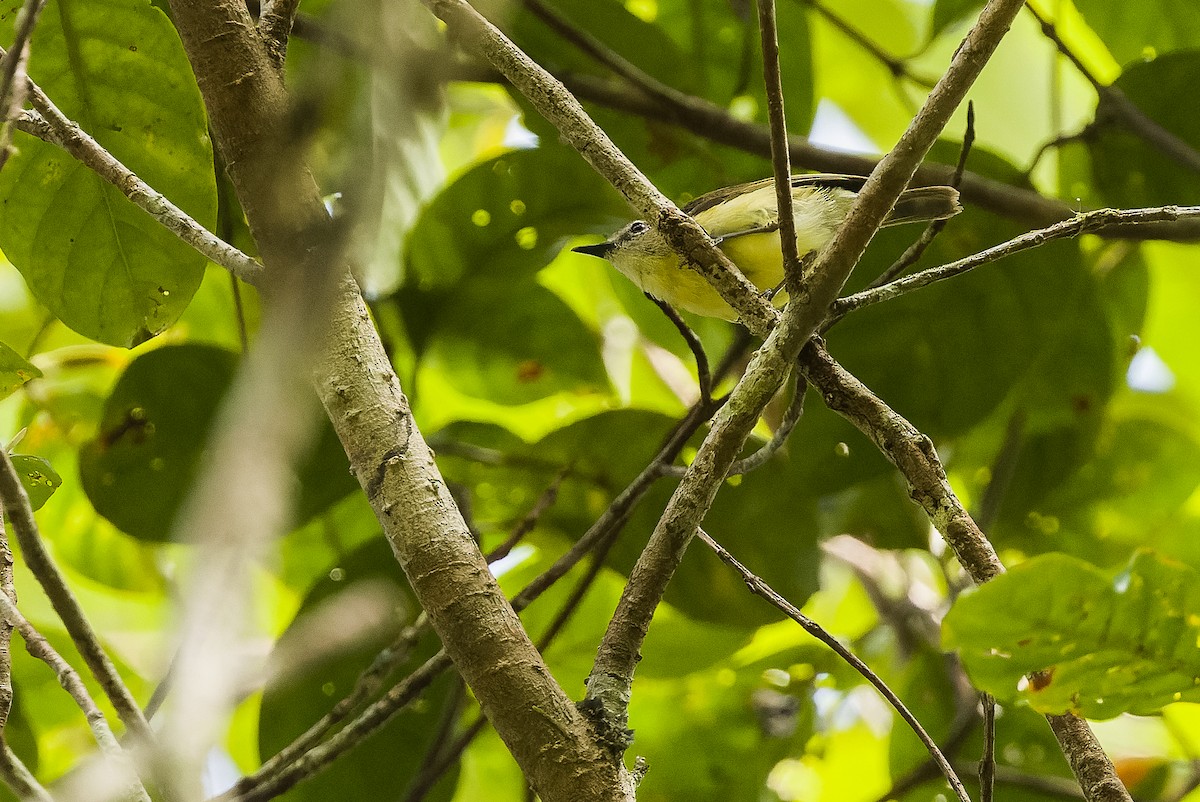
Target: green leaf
pixel 38 477
pixel 513 344
pixel 949 12
pixel 140 466
pixel 15 370
pixel 1141 30
pixel 506 218
pixel 1128 171
pixel 99 263
pixel 1102 647
pixel 343 623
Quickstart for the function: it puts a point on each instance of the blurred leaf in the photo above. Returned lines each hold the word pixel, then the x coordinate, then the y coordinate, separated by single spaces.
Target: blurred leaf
pixel 713 735
pixel 514 344
pixel 1143 30
pixel 948 12
pixel 504 220
pixel 140 466
pixel 1101 647
pixel 38 477
pixel 15 370
pixel 103 266
pixel 341 626
pixel 1130 172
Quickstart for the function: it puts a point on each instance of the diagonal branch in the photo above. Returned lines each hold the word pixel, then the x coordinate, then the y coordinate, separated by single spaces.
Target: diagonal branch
pixel 914 456
pixel 609 685
pixel 248 109
pixel 49 124
pixel 1079 224
pixel 72 683
pixel 33 550
pixel 760 588
pixel 562 110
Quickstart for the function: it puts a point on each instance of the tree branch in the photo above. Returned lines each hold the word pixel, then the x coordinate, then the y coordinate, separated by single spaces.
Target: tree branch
pixel 562 110
pixel 49 124
pixel 611 679
pixel 12 74
pixel 914 455
pixel 247 107
pixel 275 26
pixel 72 683
pixel 1079 224
pixel 66 606
pixel 19 778
pixel 763 590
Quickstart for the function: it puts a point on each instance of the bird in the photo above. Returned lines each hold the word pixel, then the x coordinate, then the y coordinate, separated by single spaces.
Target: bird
pixel 744 221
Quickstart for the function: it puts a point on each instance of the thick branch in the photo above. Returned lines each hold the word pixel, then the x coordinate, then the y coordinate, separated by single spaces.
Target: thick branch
pixel 481 633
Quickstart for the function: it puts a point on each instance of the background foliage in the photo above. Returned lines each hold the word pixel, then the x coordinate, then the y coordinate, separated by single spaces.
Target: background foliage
pixel 1061 386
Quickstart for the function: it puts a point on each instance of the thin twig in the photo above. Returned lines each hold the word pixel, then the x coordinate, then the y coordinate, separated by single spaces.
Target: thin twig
pixel 897 67
pixel 987 764
pixel 760 588
pixel 13 83
pixel 780 155
pixel 914 252
pixel 19 778
pixel 1079 224
pixel 73 684
pixel 51 125
pixel 1116 103
pixel 703 373
pixel 33 551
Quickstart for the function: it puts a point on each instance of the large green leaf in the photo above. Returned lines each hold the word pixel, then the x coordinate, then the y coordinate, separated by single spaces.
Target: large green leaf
pixel 102 265
pixel 1135 31
pixel 1101 646
pixel 1130 172
pixel 139 468
pixel 317 662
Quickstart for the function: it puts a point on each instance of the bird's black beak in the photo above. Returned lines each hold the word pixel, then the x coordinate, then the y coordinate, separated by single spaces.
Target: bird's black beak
pixel 601 249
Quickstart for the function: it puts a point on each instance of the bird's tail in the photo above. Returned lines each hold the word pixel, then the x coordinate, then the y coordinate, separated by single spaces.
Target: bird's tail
pixel 924 203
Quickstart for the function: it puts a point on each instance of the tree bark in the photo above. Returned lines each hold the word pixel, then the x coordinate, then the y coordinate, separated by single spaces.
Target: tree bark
pixel 248 106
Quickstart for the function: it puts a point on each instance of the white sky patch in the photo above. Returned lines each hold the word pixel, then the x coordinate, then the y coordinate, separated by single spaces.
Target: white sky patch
pixel 832 128
pixel 518 136
pixel 510 561
pixel 220 773
pixel 1148 373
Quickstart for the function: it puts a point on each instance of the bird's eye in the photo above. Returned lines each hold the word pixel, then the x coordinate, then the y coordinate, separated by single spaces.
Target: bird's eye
pixel 638 227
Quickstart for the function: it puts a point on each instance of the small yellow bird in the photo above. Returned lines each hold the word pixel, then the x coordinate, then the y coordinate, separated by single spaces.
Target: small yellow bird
pixel 744 220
